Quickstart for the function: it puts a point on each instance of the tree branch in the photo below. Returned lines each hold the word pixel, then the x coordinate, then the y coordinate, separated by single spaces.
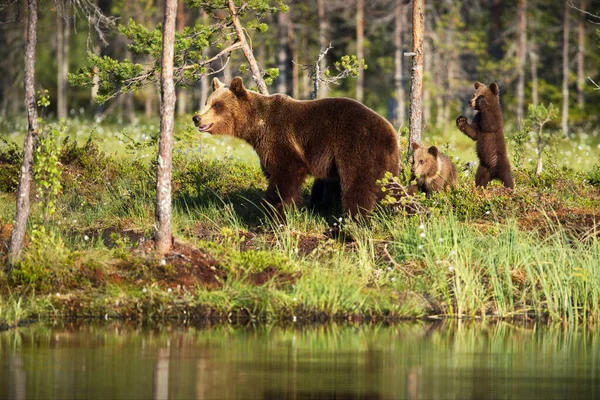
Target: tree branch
pixel 239 30
pixel 597 87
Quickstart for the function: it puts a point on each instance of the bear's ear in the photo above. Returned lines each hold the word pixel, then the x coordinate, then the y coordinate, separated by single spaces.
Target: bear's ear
pixel 478 85
pixel 415 146
pixel 217 84
pixel 494 88
pixel 433 151
pixel 237 87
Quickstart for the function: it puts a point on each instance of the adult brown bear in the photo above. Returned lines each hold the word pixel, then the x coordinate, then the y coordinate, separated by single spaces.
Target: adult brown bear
pixel 331 139
pixel 486 130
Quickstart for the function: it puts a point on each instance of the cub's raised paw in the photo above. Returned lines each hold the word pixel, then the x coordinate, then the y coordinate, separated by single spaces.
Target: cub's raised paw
pixel 461 123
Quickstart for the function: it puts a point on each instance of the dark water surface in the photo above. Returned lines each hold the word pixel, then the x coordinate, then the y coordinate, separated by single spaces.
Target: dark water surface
pixel 406 361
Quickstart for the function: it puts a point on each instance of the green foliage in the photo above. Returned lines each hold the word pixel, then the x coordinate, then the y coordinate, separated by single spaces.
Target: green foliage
pixel 43 98
pixel 190 60
pixel 593 176
pixel 349 65
pixel 47 168
pixel 46 262
pixel 10 162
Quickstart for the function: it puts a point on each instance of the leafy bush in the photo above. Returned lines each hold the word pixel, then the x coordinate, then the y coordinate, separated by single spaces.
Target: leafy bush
pixel 10 163
pixel 593 176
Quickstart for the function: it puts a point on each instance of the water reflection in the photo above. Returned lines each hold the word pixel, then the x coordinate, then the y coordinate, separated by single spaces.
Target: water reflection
pixel 409 361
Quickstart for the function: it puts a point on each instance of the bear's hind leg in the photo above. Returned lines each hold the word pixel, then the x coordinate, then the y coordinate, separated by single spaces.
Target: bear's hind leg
pixel 483 176
pixel 505 175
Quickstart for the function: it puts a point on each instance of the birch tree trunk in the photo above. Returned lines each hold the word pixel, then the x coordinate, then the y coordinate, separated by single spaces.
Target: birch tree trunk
pixel 254 68
pixel 398 58
pixel 182 93
pixel 521 54
pixel 17 236
pixel 416 89
pixel 360 48
pixel 164 236
pixel 323 42
pixel 565 72
pixel 580 56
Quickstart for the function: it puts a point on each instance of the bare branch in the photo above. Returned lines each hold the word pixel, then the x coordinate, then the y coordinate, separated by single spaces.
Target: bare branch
pixel 596 86
pixel 593 16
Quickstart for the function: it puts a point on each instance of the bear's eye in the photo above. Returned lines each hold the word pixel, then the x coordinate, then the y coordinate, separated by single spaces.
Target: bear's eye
pixel 217 106
pixel 421 161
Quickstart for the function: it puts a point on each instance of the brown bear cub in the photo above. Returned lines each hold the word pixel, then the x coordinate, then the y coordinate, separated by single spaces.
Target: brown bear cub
pixel 486 130
pixel 433 170
pixel 334 140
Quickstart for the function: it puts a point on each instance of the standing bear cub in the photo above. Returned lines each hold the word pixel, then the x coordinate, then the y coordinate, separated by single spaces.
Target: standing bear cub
pixel 334 140
pixel 433 170
pixel 486 130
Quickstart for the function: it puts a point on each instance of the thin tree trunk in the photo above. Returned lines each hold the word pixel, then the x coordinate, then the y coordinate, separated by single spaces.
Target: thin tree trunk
pixel 182 92
pixel 294 54
pixel 565 72
pixel 254 68
pixel 521 54
pixel 360 48
pixel 62 62
pixel 282 52
pixel 416 89
pixel 323 42
pixel 22 206
pixel 164 235
pixel 495 32
pixel 533 59
pixel 580 57
pixel 398 61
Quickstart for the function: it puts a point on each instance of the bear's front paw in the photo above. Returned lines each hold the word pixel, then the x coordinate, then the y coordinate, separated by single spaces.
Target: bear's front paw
pixel 461 123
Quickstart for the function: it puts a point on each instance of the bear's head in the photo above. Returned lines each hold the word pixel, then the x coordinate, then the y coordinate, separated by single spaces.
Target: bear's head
pixel 226 110
pixel 484 95
pixel 425 161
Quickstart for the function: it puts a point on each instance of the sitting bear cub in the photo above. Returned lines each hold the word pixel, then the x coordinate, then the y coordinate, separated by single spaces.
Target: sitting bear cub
pixel 433 170
pixel 334 140
pixel 486 130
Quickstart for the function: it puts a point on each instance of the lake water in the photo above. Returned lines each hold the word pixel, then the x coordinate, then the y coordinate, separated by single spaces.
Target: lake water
pixel 449 360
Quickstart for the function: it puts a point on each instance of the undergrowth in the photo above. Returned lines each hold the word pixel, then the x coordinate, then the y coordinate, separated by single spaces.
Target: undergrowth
pixel 494 253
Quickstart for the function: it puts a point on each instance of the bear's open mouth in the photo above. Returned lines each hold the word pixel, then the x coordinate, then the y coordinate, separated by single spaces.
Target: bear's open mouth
pixel 205 128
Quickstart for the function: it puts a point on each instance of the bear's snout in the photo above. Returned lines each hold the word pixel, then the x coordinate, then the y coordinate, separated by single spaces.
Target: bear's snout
pixel 196 119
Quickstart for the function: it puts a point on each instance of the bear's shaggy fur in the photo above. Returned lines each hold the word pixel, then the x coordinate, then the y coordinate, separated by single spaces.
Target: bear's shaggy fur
pixel 433 170
pixel 333 139
pixel 486 130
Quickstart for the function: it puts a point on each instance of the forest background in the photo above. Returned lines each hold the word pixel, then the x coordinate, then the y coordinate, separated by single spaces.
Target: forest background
pixel 538 51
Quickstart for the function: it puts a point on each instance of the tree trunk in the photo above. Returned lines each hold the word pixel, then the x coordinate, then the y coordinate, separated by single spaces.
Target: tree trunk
pixel 416 88
pixel 398 61
pixel 533 59
pixel 22 206
pixel 565 72
pixel 294 54
pixel 164 236
pixel 495 32
pixel 323 42
pixel 580 56
pixel 521 54
pixel 254 68
pixel 282 51
pixel 62 61
pixel 360 48
pixel 182 93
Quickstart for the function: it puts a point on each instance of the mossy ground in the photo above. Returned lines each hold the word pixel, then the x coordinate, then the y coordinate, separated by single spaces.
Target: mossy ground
pixel 528 253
